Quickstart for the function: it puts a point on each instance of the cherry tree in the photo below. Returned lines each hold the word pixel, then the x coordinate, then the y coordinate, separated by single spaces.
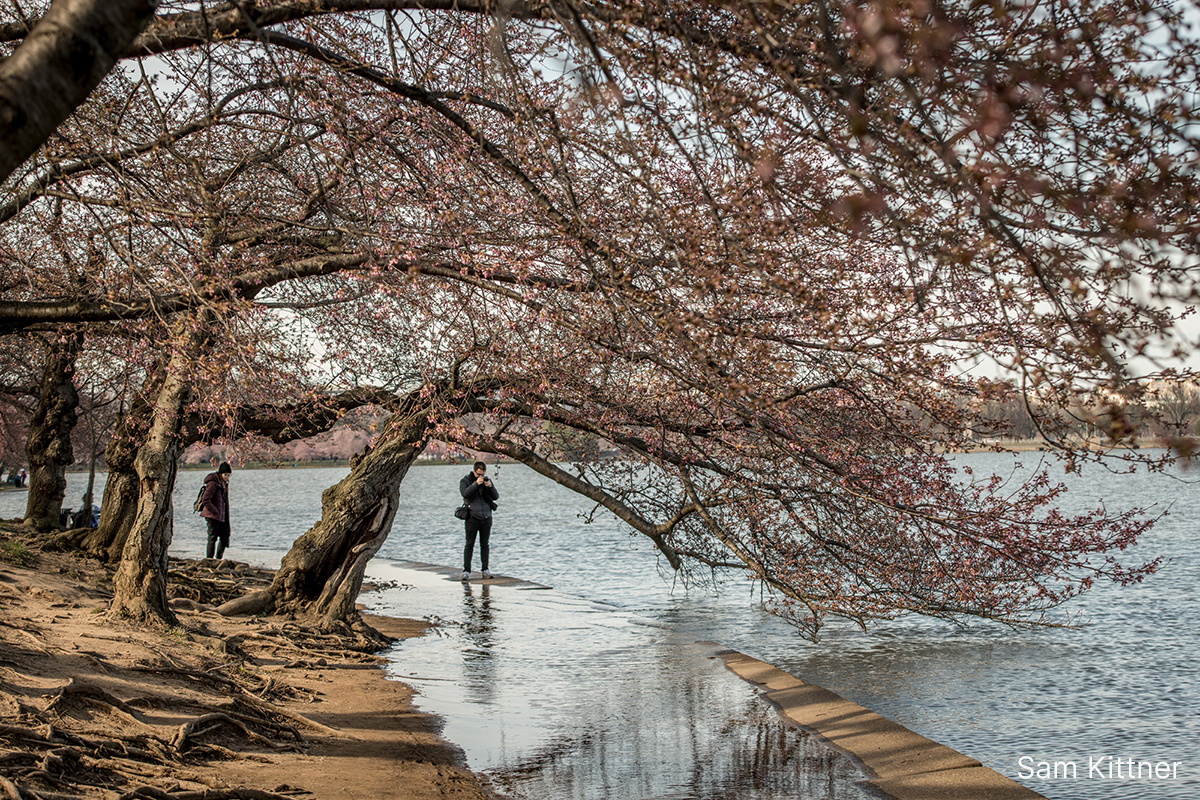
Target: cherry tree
pixel 756 247
pixel 792 358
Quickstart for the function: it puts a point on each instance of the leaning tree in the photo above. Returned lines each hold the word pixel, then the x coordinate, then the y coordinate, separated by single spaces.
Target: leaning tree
pixel 201 197
pixel 759 247
pixel 672 262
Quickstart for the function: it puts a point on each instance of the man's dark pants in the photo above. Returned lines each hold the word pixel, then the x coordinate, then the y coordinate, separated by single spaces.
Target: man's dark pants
pixel 483 527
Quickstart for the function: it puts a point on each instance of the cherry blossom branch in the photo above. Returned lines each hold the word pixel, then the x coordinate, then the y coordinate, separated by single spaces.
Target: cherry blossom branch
pixel 16 316
pixel 655 532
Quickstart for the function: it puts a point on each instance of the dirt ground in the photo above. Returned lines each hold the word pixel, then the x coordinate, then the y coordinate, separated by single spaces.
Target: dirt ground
pixel 92 706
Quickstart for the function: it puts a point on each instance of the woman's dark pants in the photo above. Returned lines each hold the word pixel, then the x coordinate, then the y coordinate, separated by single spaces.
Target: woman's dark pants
pixel 218 537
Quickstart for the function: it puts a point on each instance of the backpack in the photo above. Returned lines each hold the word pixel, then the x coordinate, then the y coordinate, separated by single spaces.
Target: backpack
pixel 199 504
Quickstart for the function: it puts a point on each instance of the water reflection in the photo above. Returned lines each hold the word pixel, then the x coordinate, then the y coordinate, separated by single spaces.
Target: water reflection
pixel 559 697
pixel 745 753
pixel 479 632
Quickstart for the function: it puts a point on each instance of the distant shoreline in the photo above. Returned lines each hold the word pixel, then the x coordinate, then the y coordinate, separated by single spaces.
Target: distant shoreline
pixel 1012 445
pixel 1035 445
pixel 296 465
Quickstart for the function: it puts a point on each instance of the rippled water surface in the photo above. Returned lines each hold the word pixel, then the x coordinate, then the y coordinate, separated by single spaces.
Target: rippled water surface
pixel 595 663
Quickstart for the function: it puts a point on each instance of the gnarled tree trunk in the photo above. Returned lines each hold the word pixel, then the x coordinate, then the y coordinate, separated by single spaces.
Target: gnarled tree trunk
pixel 118 509
pixel 321 575
pixel 140 583
pixel 48 447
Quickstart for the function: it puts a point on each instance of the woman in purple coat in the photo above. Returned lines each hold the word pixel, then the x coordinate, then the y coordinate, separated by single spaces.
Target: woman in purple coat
pixel 214 507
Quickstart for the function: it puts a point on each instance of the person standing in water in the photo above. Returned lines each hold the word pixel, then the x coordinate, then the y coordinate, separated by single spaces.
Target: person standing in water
pixel 480 496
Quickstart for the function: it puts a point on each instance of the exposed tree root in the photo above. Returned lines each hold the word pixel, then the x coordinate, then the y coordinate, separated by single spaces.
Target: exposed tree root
pixel 214 583
pixel 191 673
pixel 151 793
pixel 210 722
pixel 91 694
pixel 48 761
pixel 37 643
pixel 82 741
pixel 294 717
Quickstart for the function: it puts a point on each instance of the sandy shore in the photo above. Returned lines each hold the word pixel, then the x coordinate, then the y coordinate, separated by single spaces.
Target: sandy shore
pixel 216 708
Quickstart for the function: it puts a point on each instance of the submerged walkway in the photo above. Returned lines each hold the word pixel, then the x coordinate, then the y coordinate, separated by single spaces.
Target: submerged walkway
pixel 553 696
pixel 558 697
pixel 905 765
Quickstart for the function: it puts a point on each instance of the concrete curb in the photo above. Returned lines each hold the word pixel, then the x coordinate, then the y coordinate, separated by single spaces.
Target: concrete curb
pixel 903 765
pixel 454 574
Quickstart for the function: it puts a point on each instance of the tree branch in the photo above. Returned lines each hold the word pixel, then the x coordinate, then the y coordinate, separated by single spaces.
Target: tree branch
pixel 656 533
pixel 58 65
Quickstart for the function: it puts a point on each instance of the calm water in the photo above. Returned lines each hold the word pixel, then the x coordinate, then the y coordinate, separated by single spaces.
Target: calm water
pixel 555 696
pixel 597 684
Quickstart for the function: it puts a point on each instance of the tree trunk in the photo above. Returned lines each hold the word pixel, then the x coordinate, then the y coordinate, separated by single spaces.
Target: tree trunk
pixel 140 583
pixel 48 447
pixel 321 575
pixel 118 508
pixel 119 505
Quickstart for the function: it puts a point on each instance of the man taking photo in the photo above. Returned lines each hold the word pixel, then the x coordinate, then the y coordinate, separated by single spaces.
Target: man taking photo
pixel 480 497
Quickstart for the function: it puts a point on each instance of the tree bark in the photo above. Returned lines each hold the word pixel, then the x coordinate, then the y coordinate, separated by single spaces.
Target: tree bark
pixel 62 59
pixel 118 508
pixel 140 582
pixel 48 446
pixel 321 576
